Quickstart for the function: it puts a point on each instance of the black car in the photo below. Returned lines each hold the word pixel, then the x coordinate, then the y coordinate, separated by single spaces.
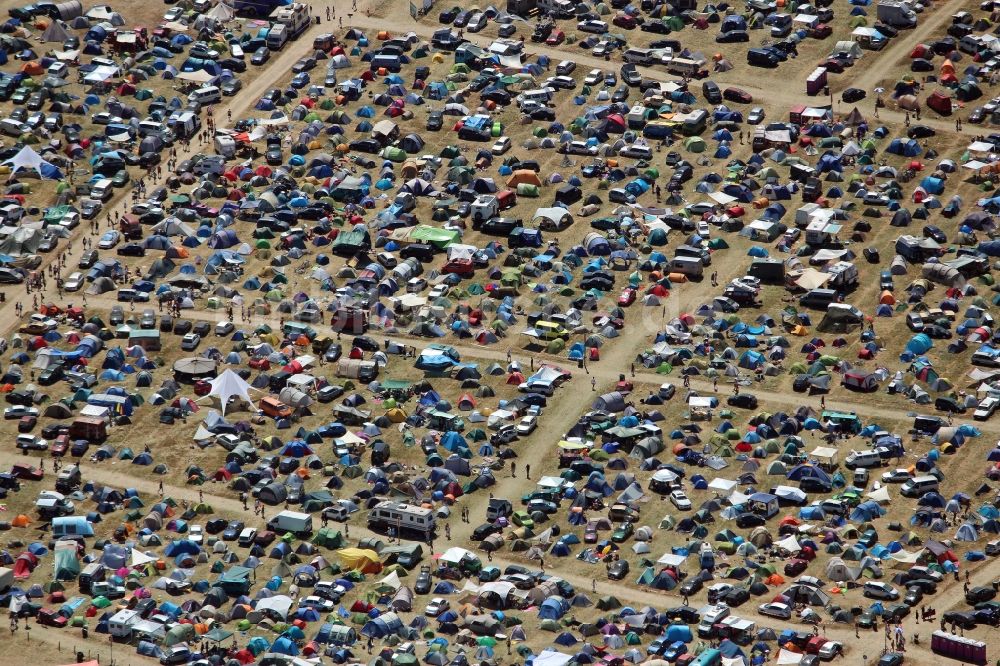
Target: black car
pixel 736 597
pixel 182 327
pixel 233 530
pixel 618 570
pixel 748 519
pixel 980 594
pixel 686 614
pixel 202 328
pixel 964 620
pixel 447 17
pixel 920 132
pixel 742 400
pixel 691 587
pixel 215 525
pixel 131 250
pixel 435 121
pixel 485 530
pixel 934 232
pixel 365 343
pixel 852 95
pixel 260 56
pixel 811 484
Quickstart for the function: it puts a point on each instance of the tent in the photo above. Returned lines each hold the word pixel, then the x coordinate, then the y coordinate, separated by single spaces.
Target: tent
pixel 228 385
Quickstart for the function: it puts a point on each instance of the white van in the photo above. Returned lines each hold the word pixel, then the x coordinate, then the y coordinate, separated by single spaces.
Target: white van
pixel 206 95
pixel 103 189
pixel 918 486
pixel 689 266
pixel 539 96
pixel 856 459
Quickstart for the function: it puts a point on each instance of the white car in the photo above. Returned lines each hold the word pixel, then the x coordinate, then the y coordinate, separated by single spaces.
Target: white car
pixel 415 285
pixel 439 291
pixel 501 146
pixel 173 14
pixel 31 443
pixel 109 240
pixel 527 425
pixel 593 77
pixel 829 650
pixel 680 500
pixel 73 282
pixel 776 609
pixel 196 534
pixel 436 607
pixel 875 589
pixel 321 604
pixel 899 475
pixel 985 409
pixel 703 229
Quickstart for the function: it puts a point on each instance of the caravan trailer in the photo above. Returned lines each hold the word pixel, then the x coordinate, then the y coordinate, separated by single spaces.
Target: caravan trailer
pixel 401 518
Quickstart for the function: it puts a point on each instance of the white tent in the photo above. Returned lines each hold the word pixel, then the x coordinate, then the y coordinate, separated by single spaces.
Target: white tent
pixel 228 385
pixel 221 12
pixel 26 158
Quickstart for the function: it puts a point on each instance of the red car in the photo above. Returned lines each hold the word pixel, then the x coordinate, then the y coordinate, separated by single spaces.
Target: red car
pixel 60 446
pixel 26 472
pixel 833 65
pixel 795 566
pixel 556 38
pixel 27 423
pixel 626 21
pixel 821 31
pixel 459 267
pixel 737 95
pixel 627 297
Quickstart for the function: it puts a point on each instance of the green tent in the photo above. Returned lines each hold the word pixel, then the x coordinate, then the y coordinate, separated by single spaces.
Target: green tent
pixel 695 144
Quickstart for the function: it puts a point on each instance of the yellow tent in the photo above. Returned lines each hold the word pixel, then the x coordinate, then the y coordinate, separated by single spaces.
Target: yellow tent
pixel 362 559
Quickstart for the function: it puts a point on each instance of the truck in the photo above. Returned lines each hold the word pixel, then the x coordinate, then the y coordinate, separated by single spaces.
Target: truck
pixel 120 624
pixel 277 37
pixel 184 124
pixel 294 522
pixel 295 18
pixel 896 14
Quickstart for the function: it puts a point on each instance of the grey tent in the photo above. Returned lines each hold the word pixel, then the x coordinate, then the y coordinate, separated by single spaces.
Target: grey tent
pixel 55 33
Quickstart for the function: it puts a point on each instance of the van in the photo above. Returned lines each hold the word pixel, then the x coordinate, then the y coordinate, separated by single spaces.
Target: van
pixel 761 58
pixel 856 459
pixel 548 330
pixel 637 56
pixel 710 90
pixel 391 63
pixel 422 252
pixel 689 266
pixel 285 522
pixel 206 95
pixel 917 486
pixel 103 189
pixel 538 96
pixel 710 616
pixel 92 573
pixel 819 298
pixel 697 252
pixel 565 68
pixel 275 408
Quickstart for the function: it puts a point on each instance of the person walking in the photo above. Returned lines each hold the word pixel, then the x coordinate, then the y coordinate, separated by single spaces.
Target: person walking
pixel 593 383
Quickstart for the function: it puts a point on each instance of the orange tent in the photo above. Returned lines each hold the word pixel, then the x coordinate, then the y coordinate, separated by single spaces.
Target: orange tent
pixel 21 521
pixel 887 298
pixel 32 68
